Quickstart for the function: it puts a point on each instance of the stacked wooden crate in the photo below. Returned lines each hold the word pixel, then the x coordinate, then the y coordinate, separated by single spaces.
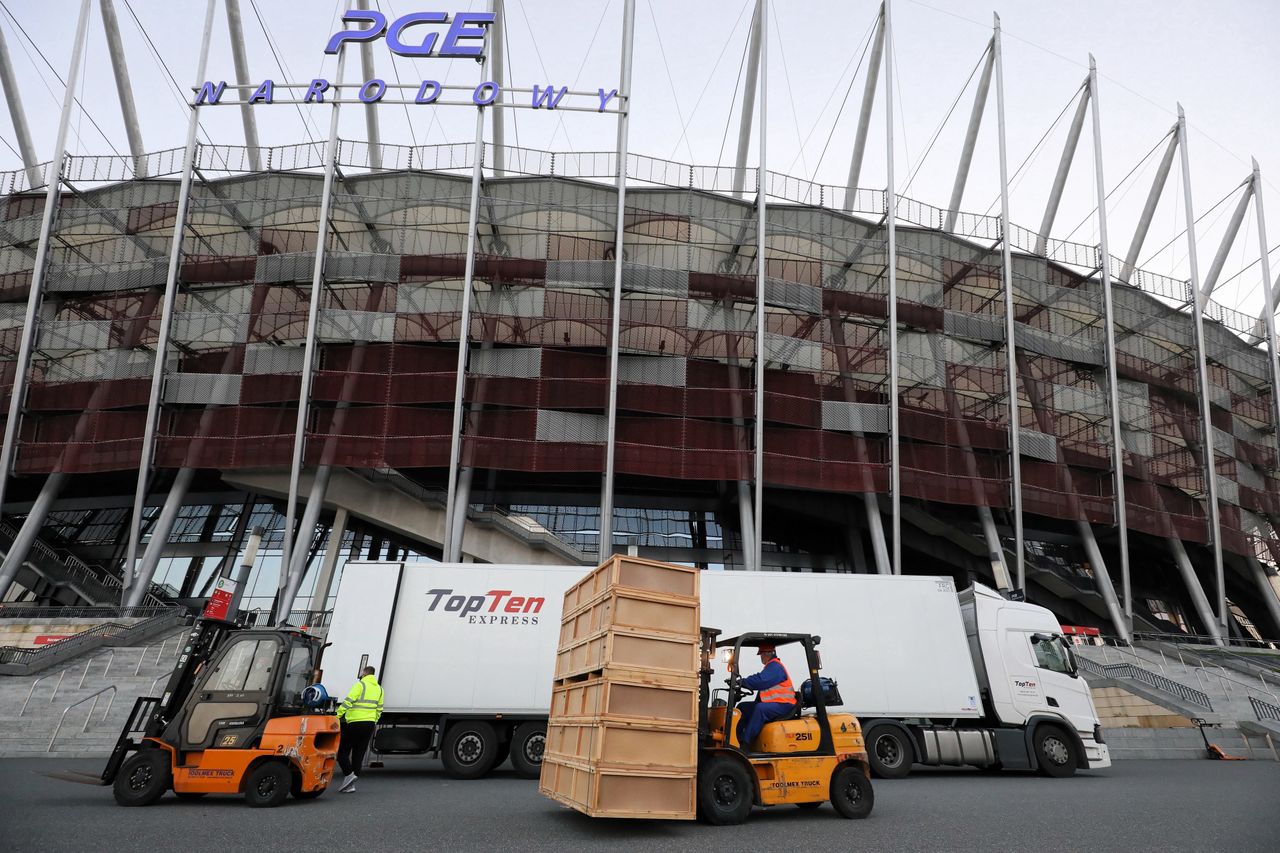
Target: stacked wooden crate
pixel 622 734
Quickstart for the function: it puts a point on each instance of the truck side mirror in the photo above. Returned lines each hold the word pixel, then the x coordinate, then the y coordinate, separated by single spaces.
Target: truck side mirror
pixel 1041 638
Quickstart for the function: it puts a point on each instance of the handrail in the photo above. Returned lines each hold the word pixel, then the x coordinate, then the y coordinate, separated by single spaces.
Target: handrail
pixel 110 633
pixel 137 670
pixel 156 681
pixel 1128 670
pixel 110 654
pixel 1223 676
pixel 60 673
pixel 94 696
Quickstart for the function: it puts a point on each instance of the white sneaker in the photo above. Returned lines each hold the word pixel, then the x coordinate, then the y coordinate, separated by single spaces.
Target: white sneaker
pixel 348 784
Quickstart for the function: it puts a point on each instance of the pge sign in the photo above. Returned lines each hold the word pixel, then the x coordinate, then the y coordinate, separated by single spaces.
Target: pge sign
pixel 465 28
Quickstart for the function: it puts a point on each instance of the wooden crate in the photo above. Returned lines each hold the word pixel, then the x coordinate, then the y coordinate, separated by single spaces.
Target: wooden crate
pixel 623 648
pixel 625 696
pixel 604 792
pixel 673 582
pixel 625 745
pixel 626 608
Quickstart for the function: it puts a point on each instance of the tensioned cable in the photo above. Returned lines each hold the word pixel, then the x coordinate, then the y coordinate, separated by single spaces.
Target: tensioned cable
pixel 288 75
pixel 1137 166
pixel 945 119
pixel 1031 155
pixel 710 76
pixel 786 73
pixel 56 100
pixel 675 98
pixel 413 137
pixel 866 45
pixel 733 99
pixel 10 147
pixel 560 128
pixel 900 103
pixel 1197 221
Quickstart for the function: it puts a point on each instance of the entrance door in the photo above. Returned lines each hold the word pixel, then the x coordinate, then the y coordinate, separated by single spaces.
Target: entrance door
pixel 227 708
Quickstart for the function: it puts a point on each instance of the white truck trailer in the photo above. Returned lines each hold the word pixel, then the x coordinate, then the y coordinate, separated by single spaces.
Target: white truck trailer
pixel 466 654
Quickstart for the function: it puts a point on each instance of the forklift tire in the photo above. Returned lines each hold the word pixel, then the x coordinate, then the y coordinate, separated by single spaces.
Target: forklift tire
pixel 268 784
pixel 889 751
pixel 528 743
pixel 1055 753
pixel 851 793
pixel 725 792
pixel 470 749
pixel 143 778
pixel 808 806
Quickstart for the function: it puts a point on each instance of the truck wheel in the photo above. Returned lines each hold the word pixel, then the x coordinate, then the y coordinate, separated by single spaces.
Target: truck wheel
pixel 143 778
pixel 268 784
pixel 528 742
pixel 470 750
pixel 724 792
pixel 890 752
pixel 851 793
pixel 1055 753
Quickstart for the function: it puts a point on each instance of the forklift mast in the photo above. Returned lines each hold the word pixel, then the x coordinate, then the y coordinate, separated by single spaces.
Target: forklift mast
pixel 203 641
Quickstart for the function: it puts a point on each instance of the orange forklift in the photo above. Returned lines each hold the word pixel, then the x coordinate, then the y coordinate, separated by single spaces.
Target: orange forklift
pixel 804 760
pixel 238 716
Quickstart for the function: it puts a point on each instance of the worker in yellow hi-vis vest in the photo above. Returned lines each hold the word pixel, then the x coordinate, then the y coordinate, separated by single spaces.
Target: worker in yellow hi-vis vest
pixel 357 715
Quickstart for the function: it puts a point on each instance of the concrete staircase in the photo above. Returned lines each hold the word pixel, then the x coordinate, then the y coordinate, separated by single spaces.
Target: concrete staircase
pixel 1179 680
pixel 131 669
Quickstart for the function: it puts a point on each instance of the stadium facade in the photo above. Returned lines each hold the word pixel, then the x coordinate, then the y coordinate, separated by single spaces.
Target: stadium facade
pixel 469 369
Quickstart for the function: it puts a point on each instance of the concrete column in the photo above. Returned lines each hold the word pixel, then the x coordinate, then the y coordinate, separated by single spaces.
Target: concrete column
pixel 29 530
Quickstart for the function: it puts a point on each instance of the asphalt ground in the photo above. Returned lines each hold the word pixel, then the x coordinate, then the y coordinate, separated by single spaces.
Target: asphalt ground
pixel 412 805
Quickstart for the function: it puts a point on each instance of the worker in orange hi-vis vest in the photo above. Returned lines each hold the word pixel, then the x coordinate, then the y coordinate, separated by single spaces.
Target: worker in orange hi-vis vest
pixel 775 696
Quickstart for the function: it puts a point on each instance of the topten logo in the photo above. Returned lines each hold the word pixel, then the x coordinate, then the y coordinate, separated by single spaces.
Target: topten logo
pixel 502 608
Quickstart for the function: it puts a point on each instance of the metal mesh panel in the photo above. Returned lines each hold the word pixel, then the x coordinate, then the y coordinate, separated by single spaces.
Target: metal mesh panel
pixel 517 363
pixel 855 417
pixel 571 427
pixel 208 389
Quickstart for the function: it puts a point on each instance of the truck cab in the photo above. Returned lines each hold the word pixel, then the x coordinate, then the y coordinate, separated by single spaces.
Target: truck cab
pixel 1027 673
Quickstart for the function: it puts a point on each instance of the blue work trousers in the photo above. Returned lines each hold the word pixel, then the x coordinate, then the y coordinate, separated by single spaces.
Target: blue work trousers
pixel 755 715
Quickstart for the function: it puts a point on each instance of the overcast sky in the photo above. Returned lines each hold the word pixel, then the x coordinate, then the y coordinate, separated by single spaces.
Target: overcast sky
pixel 1217 58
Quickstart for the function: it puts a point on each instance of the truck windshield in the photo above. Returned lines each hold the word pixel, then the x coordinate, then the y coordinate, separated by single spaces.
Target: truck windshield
pixel 1052 656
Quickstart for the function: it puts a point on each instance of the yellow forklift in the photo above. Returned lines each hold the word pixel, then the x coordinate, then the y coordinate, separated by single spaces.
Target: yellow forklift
pixel 805 759
pixel 238 716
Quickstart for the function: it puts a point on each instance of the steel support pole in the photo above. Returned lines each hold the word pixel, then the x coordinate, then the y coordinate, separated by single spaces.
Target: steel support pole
pixel 297 565
pixel 748 105
pixel 313 318
pixel 1202 369
pixel 615 325
pixel 13 98
pixel 159 537
pixel 498 49
pixel 372 132
pixel 241 62
pixel 1064 168
pixel 166 314
pixel 453 537
pixel 53 181
pixel 1149 209
pixel 120 68
pixel 1268 317
pixel 1113 382
pixel 1010 326
pixel 864 115
pixel 1123 621
pixel 1194 590
pixel 320 597
pixel 242 572
pixel 971 136
pixel 1267 588
pixel 1228 240
pixel 29 531
pixel 891 264
pixel 762 213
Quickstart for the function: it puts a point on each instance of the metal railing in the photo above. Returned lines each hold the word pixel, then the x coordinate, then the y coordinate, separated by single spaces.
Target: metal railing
pixel 1265 710
pixel 94 696
pixel 34 611
pixel 109 654
pixel 1205 640
pixel 156 681
pixel 1137 673
pixel 160 647
pixel 24 661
